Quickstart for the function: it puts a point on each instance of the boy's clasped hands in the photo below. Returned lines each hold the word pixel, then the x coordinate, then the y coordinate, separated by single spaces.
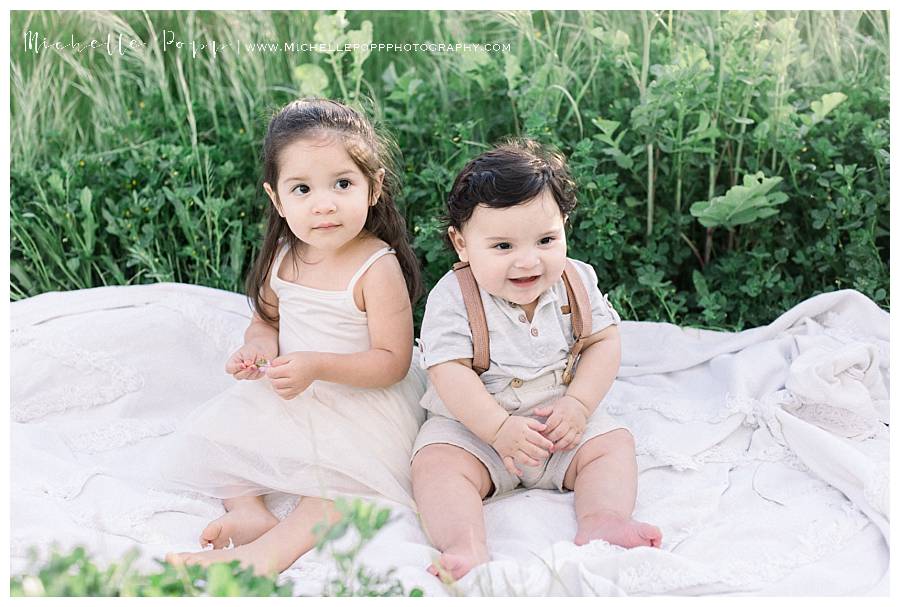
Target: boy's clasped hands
pixel 526 441
pixel 290 374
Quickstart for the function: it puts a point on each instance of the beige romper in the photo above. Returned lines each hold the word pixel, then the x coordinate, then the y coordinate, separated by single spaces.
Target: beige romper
pixel 526 364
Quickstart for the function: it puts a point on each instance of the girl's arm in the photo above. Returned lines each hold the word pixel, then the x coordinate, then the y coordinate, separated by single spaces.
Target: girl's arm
pixel 597 368
pixel 390 333
pixel 260 332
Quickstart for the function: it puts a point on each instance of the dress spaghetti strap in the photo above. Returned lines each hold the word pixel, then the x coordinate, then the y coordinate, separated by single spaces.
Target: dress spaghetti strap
pixel 368 263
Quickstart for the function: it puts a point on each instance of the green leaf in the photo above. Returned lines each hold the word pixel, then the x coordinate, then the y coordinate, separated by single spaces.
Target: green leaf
pixel 311 80
pixel 741 204
pixel 827 103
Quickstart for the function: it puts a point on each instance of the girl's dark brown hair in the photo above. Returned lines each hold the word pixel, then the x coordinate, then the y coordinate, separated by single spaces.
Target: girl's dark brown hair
pixel 370 152
pixel 514 172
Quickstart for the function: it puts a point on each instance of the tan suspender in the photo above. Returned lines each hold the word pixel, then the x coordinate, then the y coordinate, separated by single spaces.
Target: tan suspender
pixel 579 307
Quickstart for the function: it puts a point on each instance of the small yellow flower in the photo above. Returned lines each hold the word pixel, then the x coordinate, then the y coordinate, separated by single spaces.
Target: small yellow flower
pixel 81 163
pixel 242 214
pixel 134 182
pixel 174 173
pixel 141 104
pixel 241 130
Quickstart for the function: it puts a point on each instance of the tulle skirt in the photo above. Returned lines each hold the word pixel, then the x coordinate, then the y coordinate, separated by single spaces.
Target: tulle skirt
pixel 330 441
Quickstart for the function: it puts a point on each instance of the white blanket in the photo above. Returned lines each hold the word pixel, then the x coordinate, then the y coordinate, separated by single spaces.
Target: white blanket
pixel 763 455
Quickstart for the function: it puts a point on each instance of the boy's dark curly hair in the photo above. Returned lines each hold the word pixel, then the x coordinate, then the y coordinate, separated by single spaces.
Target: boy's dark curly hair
pixel 513 172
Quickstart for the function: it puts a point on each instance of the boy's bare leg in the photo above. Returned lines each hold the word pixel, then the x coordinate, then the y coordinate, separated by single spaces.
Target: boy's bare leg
pixel 603 475
pixel 276 549
pixel 245 519
pixel 449 484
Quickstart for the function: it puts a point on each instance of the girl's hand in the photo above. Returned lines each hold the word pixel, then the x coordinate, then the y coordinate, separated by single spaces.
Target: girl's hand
pixel 566 419
pixel 245 363
pixel 519 441
pixel 292 373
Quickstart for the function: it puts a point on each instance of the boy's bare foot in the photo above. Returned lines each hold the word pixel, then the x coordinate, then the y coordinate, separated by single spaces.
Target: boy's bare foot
pixel 253 554
pixel 617 529
pixel 241 525
pixel 455 562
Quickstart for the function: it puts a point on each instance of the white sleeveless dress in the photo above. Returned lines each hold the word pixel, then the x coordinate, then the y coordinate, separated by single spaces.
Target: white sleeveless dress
pixel 331 440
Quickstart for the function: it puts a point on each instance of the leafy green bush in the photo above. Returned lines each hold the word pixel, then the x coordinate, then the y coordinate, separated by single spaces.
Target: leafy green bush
pixel 659 113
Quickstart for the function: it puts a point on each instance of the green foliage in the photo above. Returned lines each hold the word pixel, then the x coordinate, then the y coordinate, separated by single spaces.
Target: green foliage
pixel 360 520
pixel 741 204
pixel 145 168
pixel 75 574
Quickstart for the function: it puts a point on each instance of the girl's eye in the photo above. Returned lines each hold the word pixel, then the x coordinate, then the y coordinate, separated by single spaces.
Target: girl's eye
pixel 546 240
pixel 343 184
pixel 302 188
pixel 503 246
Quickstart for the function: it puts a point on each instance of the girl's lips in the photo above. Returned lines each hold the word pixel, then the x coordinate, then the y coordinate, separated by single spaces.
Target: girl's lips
pixel 524 282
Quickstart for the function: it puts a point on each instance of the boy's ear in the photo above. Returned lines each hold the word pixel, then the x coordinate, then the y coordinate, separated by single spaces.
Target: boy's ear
pixel 273 197
pixel 378 185
pixel 459 243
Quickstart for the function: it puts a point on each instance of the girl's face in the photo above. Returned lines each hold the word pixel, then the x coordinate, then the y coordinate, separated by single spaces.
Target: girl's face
pixel 515 253
pixel 321 193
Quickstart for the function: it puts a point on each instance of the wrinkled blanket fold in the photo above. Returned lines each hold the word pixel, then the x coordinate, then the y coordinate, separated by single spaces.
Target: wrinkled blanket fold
pixel 763 454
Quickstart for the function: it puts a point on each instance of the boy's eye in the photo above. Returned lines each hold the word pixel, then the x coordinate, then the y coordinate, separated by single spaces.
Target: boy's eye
pixel 343 184
pixel 546 240
pixel 503 246
pixel 301 188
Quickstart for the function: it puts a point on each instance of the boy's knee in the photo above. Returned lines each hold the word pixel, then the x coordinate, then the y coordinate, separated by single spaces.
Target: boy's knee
pixel 615 441
pixel 436 462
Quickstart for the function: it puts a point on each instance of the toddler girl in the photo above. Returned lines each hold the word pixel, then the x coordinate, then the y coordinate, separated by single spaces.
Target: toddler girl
pixel 328 407
pixel 519 421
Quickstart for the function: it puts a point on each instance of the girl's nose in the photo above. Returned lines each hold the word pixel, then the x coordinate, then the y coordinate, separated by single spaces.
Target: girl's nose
pixel 323 205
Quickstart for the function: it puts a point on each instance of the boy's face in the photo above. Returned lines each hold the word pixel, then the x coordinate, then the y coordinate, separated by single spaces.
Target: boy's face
pixel 515 253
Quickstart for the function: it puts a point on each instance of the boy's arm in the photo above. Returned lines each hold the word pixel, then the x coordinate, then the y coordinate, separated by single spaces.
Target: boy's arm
pixel 467 399
pixel 597 368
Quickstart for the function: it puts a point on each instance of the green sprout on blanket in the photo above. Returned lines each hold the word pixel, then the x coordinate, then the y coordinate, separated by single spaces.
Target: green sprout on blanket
pixel 363 519
pixel 76 574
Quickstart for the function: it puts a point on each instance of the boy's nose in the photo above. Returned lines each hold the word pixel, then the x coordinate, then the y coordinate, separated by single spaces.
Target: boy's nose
pixel 528 260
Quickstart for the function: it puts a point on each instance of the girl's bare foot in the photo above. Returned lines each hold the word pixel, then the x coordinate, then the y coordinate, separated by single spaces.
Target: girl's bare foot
pixel 253 554
pixel 617 529
pixel 455 562
pixel 240 526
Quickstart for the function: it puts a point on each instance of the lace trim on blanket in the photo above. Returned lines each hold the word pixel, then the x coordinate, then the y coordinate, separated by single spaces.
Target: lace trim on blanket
pixel 817 541
pixel 134 524
pixel 118 379
pixel 225 334
pixel 66 488
pixel 757 413
pixel 118 434
pixel 877 488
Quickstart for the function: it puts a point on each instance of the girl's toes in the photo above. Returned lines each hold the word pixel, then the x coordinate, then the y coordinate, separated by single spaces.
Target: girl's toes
pixel 212 535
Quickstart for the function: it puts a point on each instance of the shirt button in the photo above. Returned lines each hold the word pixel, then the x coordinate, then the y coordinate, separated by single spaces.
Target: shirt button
pixel 522 318
pixel 516 383
pixel 534 331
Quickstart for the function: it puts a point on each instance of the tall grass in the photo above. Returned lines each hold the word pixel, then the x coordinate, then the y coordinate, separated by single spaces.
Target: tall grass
pixel 656 109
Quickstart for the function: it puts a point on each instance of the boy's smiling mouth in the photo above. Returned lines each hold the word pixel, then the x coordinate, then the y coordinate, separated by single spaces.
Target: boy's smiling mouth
pixel 524 281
